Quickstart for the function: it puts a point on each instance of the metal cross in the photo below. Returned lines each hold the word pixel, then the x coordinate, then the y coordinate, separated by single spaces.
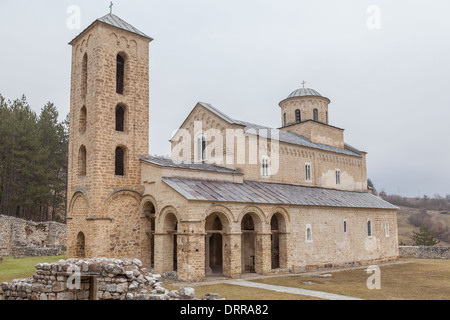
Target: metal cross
pixel 110 7
pixel 303 83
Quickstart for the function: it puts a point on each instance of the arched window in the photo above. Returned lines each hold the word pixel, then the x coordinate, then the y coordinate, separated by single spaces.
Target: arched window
pixel 83 119
pixel 308 233
pixel 120 118
pixel 387 229
pixel 201 147
pixel 120 161
pixel 120 74
pixel 80 246
pixel 298 117
pixel 308 172
pixel 345 226
pixel 369 228
pixel 316 115
pixel 84 75
pixel 82 156
pixel 285 119
pixel 265 166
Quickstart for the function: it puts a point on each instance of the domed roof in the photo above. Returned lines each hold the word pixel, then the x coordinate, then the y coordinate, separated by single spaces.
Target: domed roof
pixel 303 92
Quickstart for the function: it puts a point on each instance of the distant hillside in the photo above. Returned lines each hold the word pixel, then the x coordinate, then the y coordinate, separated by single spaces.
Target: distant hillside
pixel 413 212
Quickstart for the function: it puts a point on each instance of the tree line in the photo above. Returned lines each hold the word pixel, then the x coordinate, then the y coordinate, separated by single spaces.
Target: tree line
pixel 33 161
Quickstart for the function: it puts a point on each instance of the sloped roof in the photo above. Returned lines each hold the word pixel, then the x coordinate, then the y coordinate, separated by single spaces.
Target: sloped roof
pixel 117 22
pixel 273 193
pixel 283 136
pixel 163 162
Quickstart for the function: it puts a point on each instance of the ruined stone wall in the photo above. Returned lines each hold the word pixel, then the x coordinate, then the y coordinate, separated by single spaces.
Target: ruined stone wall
pixel 424 252
pixel 115 280
pixel 20 237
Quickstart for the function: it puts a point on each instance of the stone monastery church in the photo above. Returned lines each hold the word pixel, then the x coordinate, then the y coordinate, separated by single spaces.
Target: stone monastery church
pixel 300 202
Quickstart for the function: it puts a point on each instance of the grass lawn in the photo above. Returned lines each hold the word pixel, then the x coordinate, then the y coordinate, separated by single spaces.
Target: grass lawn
pixel 422 279
pixel 11 268
pixel 231 292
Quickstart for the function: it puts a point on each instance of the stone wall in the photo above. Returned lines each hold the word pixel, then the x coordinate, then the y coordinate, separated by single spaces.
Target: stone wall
pixel 424 252
pixel 98 279
pixel 20 237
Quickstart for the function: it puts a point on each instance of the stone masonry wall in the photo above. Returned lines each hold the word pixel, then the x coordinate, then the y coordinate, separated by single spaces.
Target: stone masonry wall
pixel 424 252
pixel 20 237
pixel 116 280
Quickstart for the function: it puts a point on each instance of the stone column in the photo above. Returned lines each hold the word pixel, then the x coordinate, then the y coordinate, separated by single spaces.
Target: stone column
pixel 263 258
pixel 232 255
pixel 163 252
pixel 207 254
pixel 191 256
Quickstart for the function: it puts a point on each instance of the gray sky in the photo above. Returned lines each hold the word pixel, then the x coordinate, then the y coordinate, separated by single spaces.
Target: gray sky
pixel 389 87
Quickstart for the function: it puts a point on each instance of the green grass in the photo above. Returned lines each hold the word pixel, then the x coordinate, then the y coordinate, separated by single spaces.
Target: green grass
pixel 11 268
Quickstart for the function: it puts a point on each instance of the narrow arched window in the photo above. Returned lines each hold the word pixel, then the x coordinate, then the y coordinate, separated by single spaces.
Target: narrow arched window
pixel 316 115
pixel 369 228
pixel 298 117
pixel 201 147
pixel 309 233
pixel 265 166
pixel 82 157
pixel 120 74
pixel 308 172
pixel 84 75
pixel 80 249
pixel 285 119
pixel 120 161
pixel 83 119
pixel 120 118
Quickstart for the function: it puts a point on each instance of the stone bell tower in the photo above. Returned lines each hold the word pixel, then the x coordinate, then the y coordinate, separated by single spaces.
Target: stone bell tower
pixel 109 129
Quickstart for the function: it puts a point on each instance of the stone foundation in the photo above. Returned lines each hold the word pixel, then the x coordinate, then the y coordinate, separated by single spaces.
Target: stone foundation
pixel 424 252
pixel 94 279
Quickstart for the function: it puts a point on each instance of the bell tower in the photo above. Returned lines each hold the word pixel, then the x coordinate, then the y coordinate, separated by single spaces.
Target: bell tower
pixel 109 129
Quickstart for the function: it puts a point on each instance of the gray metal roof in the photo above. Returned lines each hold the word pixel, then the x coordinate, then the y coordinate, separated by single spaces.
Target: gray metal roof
pixel 117 22
pixel 163 162
pixel 283 136
pixel 272 193
pixel 304 92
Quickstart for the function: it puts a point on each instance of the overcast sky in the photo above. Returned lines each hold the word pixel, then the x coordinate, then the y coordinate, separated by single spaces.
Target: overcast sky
pixel 388 79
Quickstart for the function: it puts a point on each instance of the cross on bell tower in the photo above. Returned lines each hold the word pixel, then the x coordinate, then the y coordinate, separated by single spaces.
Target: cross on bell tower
pixel 111 7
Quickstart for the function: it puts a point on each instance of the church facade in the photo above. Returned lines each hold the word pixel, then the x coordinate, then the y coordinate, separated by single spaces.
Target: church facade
pixel 236 197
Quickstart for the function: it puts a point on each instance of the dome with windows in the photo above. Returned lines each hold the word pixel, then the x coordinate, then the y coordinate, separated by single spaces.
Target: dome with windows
pixel 304 92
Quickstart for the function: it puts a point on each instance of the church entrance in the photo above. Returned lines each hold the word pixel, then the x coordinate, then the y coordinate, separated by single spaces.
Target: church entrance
pixel 214 245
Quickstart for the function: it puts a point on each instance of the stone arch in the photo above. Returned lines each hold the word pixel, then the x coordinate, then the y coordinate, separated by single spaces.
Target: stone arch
pixel 255 212
pixel 252 224
pixel 279 226
pixel 148 199
pixel 167 240
pixel 226 216
pixel 76 195
pixel 217 224
pixel 116 193
pixel 149 209
pixel 162 216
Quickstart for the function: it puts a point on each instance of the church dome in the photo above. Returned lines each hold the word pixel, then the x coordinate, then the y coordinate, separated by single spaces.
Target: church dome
pixel 304 92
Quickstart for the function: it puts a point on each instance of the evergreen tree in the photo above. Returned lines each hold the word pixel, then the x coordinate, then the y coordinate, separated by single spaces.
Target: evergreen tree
pixel 424 237
pixel 33 161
